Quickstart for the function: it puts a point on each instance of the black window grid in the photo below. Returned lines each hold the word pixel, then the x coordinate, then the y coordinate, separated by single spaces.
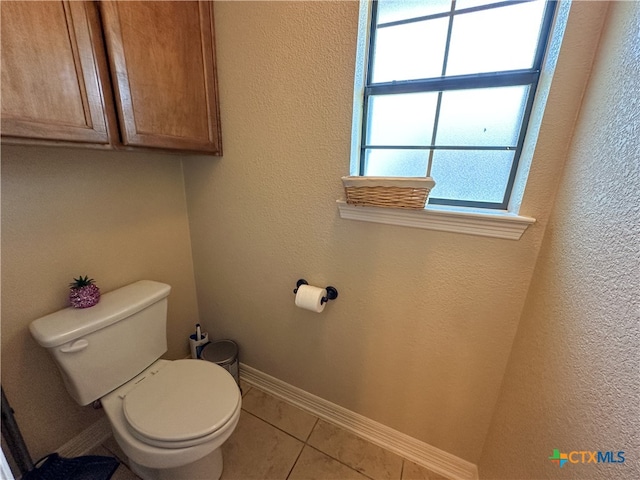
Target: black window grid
pixel 523 77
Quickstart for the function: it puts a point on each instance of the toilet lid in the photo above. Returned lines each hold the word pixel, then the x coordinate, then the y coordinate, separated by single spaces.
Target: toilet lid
pixel 185 400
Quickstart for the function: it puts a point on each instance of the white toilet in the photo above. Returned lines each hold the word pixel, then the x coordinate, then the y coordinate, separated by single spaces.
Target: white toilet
pixel 169 417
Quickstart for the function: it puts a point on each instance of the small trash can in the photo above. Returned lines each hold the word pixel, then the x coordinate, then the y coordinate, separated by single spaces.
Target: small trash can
pixel 223 353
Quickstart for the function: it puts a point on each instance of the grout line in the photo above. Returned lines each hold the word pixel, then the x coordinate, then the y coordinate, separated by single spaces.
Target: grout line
pixel 290 405
pixel 311 431
pixel 306 442
pixel 295 462
pixel 340 462
pixel 274 426
pixel 302 442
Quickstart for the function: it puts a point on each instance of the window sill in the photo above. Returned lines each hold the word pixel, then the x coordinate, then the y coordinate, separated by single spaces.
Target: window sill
pixel 491 223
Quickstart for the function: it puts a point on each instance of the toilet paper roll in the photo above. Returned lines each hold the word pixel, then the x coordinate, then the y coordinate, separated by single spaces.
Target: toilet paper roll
pixel 310 297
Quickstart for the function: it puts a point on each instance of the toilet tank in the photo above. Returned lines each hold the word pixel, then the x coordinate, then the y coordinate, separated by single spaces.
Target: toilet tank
pixel 97 349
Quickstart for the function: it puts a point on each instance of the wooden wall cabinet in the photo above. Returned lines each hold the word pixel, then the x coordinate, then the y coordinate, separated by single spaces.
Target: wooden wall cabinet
pixel 52 88
pixel 118 74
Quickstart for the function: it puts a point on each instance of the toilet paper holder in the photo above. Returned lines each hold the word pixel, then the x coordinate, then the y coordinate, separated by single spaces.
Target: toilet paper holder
pixel 332 293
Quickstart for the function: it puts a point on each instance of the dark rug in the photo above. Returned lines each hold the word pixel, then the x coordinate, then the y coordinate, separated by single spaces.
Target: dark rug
pixel 89 467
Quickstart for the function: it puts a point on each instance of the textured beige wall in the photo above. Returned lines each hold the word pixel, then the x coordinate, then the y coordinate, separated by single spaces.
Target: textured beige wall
pixel 573 380
pixel 118 217
pixel 420 334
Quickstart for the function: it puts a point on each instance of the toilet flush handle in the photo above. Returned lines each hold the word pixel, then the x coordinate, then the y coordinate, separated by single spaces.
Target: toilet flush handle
pixel 75 346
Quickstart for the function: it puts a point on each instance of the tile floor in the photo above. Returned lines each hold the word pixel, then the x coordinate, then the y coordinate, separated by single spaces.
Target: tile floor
pixel 277 441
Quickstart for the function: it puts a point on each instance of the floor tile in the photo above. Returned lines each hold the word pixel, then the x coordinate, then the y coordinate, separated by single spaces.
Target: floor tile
pixel 411 471
pixel 315 465
pixel 373 461
pixel 257 450
pixel 291 419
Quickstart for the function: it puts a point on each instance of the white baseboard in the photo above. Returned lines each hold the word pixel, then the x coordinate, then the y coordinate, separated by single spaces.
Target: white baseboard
pixel 407 447
pixel 87 440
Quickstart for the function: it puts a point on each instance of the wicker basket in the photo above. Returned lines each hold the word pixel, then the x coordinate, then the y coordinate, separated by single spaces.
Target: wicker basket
pixel 390 192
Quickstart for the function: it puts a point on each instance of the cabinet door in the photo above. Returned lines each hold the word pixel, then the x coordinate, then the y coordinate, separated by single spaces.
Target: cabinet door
pixel 162 60
pixel 51 88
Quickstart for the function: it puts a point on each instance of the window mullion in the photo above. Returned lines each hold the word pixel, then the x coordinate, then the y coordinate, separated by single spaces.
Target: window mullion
pixel 442 147
pixel 439 101
pixel 461 82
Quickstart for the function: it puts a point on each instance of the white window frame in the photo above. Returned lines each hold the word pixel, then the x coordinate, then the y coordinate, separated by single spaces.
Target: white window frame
pixel 508 223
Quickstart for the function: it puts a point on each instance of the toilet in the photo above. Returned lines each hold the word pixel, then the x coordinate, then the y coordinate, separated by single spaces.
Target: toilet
pixel 169 417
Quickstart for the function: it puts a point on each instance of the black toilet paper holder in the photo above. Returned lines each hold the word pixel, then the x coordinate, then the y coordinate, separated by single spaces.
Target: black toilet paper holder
pixel 332 293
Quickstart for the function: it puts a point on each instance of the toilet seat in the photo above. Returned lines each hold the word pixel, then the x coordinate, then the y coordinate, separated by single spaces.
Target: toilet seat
pixel 184 403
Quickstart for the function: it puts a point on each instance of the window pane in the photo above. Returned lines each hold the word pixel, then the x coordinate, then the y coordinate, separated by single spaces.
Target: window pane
pixel 411 51
pixel 497 39
pixel 393 10
pixel 479 176
pixel 482 117
pixel 402 119
pixel 396 163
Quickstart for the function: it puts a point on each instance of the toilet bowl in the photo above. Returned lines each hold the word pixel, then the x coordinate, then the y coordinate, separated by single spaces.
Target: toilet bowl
pixel 169 417
pixel 173 414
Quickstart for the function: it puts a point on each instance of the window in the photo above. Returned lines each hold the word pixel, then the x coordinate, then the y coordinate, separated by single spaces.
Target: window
pixel 447 91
